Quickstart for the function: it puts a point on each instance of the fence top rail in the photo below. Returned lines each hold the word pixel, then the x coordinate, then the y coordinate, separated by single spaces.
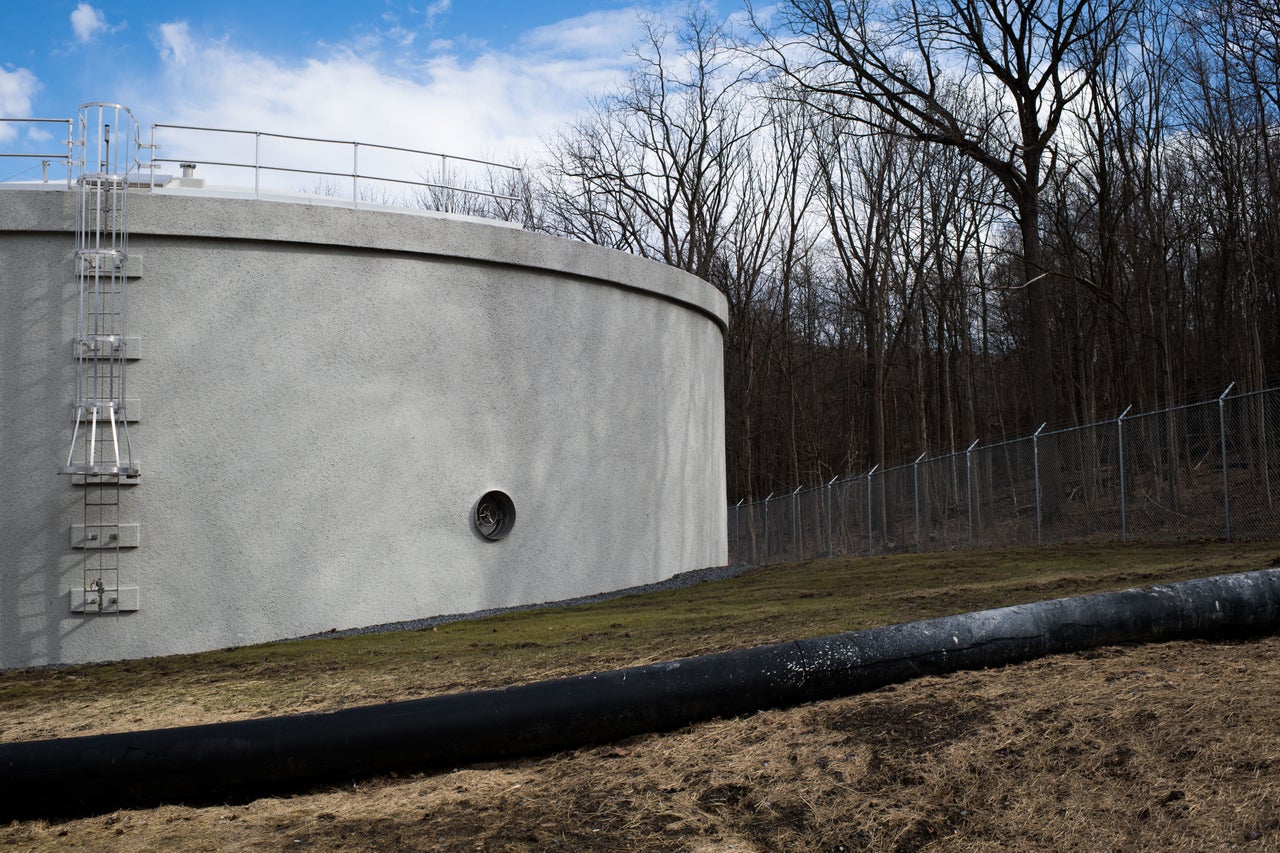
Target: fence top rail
pixel 1241 395
pixel 1160 412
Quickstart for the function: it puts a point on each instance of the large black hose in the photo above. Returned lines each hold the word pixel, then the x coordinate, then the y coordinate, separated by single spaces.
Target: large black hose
pixel 236 760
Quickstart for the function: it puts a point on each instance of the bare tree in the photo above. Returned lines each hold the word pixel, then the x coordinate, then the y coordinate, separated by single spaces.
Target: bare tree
pixel 488 190
pixel 1025 59
pixel 655 168
pixel 764 272
pixel 687 164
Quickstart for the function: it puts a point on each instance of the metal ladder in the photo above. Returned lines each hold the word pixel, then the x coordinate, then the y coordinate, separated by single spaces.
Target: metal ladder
pixel 100 453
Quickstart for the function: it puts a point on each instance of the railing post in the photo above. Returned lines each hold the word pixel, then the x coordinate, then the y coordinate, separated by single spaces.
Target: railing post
pixel 915 472
pixel 355 175
pixel 257 164
pixel 795 523
pixel 71 150
pixel 968 486
pixel 831 519
pixel 1035 456
pixel 870 535
pixel 153 149
pixel 1222 436
pixel 1124 516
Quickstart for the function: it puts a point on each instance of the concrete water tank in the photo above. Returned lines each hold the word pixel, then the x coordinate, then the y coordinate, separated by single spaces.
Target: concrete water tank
pixel 349 417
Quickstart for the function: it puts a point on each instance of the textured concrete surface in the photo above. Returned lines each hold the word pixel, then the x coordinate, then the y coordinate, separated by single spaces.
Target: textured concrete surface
pixel 327 392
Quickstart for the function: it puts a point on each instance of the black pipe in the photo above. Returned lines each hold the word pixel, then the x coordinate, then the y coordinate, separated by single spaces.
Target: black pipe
pixel 238 760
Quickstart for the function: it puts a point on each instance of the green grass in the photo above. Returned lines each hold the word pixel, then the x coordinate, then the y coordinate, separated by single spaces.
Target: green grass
pixel 767 605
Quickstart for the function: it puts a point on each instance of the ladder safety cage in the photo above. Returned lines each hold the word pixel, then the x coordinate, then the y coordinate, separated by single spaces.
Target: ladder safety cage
pixel 104 156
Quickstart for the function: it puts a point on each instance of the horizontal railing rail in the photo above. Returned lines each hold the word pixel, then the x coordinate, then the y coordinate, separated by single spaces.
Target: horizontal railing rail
pixel 374 175
pixel 355 174
pixel 45 158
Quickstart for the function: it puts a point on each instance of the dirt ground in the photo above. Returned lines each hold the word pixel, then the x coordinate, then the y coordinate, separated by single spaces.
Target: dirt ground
pixel 1170 746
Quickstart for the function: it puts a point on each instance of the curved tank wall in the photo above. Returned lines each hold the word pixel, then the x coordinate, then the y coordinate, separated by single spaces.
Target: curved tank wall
pixel 323 394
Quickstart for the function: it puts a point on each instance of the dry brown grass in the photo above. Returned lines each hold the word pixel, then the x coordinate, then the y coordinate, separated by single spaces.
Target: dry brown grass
pixel 1163 747
pixel 1170 746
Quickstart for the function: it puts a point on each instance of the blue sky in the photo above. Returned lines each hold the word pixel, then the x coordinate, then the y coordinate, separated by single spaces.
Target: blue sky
pixel 487 78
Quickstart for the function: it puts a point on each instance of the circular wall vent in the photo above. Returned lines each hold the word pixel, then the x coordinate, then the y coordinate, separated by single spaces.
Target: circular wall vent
pixel 495 515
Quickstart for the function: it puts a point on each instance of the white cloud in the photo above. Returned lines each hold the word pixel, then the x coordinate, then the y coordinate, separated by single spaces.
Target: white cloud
pixel 486 104
pixel 87 22
pixel 176 45
pixel 436 9
pixel 17 88
pixel 600 33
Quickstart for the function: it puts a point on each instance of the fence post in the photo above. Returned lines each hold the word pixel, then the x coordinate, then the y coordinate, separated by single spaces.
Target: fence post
pixel 1124 517
pixel 737 528
pixel 795 523
pixel 1222 436
pixel 870 537
pixel 766 525
pixel 968 485
pixel 916 474
pixel 831 519
pixel 1035 456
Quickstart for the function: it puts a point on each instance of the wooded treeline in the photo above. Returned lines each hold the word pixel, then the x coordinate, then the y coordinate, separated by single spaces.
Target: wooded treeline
pixel 948 219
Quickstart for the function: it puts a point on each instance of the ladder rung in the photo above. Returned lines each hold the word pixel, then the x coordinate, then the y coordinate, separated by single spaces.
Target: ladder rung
pixel 102 178
pixel 101 469
pixel 98 340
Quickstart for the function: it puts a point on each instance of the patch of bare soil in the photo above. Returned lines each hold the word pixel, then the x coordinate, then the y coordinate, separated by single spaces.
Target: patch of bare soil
pixel 1162 747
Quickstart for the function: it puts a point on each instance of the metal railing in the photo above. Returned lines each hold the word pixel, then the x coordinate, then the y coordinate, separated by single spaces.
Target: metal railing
pixel 43 159
pixel 1205 470
pixel 369 174
pixel 362 174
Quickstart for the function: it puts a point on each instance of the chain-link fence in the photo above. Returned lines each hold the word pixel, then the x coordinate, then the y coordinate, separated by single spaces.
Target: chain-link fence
pixel 1209 469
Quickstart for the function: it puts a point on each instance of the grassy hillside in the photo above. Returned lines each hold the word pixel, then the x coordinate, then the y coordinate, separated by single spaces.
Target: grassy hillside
pixel 763 606
pixel 1167 746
